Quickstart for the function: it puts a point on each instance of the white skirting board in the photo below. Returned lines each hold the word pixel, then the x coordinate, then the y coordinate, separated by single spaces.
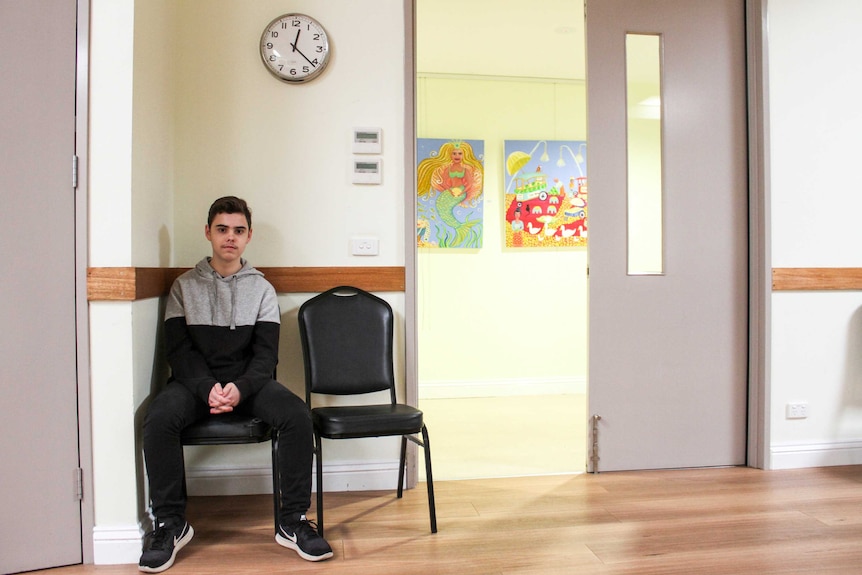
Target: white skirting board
pixel 117 544
pixel 113 545
pixel 358 476
pixel 802 455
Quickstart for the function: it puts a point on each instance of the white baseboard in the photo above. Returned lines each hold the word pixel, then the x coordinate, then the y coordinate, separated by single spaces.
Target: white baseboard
pixel 250 480
pixel 451 389
pixel 117 545
pixel 802 455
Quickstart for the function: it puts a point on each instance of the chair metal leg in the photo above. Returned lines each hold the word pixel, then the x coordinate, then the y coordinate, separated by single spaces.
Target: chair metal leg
pixel 318 456
pixel 429 480
pixel 276 479
pixel 402 466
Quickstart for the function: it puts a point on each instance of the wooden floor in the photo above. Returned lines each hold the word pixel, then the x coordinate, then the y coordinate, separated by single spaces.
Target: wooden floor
pixel 715 521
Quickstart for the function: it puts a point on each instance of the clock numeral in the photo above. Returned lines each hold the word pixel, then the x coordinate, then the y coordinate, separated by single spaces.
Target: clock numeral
pixel 319 49
pixel 316 37
pixel 274 34
pixel 272 58
pixel 306 69
pixel 295 23
pixel 269 45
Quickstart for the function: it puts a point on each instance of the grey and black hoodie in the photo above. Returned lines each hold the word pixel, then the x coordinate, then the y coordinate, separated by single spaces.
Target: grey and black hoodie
pixel 222 329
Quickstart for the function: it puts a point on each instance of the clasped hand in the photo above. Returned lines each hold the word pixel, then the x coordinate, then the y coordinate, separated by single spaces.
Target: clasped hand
pixel 223 399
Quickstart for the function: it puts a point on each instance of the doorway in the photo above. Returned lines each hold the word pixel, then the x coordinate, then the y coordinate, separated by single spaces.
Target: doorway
pixel 438 284
pixel 502 328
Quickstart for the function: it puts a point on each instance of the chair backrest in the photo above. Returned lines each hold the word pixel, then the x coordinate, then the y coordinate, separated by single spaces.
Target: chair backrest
pixel 346 338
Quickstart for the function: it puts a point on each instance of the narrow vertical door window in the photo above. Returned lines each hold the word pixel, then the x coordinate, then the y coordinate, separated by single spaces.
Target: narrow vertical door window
pixel 644 147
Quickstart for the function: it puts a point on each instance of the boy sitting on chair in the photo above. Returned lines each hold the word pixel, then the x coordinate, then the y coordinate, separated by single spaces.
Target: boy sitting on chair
pixel 221 333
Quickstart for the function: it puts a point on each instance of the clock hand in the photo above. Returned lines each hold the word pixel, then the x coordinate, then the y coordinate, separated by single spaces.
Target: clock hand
pixel 295 49
pixel 295 40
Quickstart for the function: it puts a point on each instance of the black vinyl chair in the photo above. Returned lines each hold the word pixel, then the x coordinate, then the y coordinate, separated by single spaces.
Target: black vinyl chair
pixel 234 428
pixel 347 344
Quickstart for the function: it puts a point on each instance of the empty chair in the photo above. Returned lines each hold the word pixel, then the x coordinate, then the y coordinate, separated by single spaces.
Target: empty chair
pixel 346 338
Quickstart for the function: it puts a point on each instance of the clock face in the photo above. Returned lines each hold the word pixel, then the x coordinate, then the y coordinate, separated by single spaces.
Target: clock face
pixel 294 47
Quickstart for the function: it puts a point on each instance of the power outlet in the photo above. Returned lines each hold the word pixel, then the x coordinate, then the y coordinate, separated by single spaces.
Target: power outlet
pixel 797 410
pixel 366 246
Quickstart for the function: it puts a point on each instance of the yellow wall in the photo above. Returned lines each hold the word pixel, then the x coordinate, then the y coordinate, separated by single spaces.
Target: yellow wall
pixel 501 320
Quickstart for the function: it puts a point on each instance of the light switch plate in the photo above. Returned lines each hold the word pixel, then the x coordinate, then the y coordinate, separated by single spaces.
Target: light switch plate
pixel 364 246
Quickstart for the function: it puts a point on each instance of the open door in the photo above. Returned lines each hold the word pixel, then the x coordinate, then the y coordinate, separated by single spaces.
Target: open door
pixel 667 331
pixel 41 494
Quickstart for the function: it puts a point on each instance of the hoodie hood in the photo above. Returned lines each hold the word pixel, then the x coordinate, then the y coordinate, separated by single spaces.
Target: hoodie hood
pixel 204 268
pixel 223 290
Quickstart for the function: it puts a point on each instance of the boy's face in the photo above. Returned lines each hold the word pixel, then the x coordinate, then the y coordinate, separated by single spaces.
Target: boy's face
pixel 229 234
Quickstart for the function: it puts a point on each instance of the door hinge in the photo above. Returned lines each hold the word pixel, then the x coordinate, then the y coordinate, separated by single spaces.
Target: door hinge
pixel 79 484
pixel 594 448
pixel 74 172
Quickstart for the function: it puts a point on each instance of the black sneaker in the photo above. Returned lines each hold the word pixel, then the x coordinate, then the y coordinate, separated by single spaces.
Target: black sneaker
pixel 161 546
pixel 303 538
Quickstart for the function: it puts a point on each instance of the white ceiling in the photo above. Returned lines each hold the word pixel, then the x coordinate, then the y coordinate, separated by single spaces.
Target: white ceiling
pixel 519 38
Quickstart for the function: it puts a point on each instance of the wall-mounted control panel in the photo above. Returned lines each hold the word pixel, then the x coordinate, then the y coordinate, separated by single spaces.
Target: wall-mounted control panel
pixel 367 141
pixel 367 170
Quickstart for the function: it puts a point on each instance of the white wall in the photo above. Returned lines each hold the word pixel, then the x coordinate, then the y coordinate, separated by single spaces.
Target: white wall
pixel 815 125
pixel 183 111
pixel 287 150
pixel 111 341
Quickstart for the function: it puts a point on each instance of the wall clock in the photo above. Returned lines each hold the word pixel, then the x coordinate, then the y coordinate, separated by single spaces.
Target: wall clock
pixel 294 48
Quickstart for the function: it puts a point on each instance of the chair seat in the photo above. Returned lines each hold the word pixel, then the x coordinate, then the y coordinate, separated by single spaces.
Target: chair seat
pixel 366 420
pixel 227 428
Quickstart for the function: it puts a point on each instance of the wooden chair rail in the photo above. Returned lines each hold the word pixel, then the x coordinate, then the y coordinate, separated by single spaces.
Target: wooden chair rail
pixel 132 283
pixel 814 279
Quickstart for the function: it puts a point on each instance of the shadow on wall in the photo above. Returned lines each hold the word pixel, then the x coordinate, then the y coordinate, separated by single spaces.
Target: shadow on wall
pixel 164 247
pixel 159 378
pixel 848 420
pixel 291 371
pixel 269 244
pixel 852 396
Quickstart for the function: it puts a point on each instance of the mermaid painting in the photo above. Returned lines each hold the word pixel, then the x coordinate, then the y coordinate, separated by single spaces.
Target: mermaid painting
pixel 449 186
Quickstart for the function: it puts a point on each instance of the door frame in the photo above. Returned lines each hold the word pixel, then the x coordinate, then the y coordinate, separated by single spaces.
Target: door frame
pixel 82 321
pixel 759 264
pixel 411 329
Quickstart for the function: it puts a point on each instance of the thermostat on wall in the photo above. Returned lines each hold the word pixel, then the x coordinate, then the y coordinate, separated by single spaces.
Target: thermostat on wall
pixel 367 170
pixel 367 140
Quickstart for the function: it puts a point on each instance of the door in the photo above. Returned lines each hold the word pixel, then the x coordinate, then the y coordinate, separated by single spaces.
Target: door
pixel 668 348
pixel 41 510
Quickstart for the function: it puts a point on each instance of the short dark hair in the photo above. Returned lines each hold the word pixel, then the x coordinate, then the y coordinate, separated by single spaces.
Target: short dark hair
pixel 229 205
